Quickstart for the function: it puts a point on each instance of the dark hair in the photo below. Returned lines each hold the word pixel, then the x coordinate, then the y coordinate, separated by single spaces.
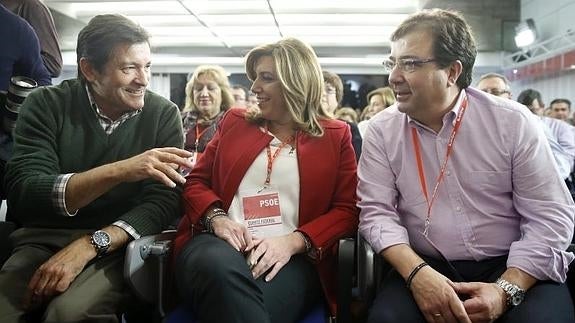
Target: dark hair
pixel 241 87
pixel 526 97
pixel 98 40
pixel 334 80
pixel 452 39
pixel 561 101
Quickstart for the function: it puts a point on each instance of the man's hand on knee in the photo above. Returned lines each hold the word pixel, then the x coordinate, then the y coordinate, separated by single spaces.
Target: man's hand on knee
pixel 436 297
pixel 55 275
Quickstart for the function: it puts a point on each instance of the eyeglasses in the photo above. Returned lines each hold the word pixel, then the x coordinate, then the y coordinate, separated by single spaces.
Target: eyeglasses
pixel 407 65
pixel 495 91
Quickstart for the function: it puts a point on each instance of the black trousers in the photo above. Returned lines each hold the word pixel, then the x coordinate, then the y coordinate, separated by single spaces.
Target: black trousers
pixel 216 282
pixel 545 302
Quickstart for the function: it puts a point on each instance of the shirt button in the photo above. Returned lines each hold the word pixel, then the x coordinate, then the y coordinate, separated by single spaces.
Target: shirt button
pixel 458 209
pixel 448 173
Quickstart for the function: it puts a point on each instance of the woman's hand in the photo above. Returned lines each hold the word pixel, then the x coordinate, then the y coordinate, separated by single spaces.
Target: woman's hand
pixel 274 253
pixel 237 235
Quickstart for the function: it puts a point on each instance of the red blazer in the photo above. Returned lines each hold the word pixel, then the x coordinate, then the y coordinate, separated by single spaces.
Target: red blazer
pixel 328 181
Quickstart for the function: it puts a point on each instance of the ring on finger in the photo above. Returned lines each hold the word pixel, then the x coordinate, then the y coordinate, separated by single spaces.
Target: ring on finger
pixel 437 315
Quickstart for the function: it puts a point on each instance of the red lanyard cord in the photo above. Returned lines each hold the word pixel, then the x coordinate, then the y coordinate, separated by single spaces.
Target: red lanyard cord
pixel 271 158
pixel 420 169
pixel 199 135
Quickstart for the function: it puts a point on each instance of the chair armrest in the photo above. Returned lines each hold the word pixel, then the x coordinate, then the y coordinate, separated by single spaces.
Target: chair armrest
pixel 365 270
pixel 346 251
pixel 143 276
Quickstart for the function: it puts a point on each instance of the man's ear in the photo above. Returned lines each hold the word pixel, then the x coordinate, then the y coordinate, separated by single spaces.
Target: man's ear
pixel 454 72
pixel 87 69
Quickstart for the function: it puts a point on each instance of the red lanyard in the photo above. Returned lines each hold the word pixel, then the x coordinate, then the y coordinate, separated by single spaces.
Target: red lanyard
pixel 199 134
pixel 421 173
pixel 271 158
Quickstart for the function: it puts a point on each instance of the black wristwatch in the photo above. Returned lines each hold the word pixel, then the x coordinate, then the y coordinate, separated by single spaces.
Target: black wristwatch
pixel 101 241
pixel 515 294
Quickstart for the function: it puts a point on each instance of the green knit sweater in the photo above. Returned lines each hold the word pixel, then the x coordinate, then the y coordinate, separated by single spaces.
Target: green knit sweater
pixel 58 132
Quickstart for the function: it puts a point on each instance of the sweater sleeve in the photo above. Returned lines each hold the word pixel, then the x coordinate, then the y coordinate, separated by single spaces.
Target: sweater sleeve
pixel 159 205
pixel 33 168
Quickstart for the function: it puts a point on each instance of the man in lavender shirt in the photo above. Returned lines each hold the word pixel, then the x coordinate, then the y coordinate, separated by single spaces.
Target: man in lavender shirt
pixel 487 240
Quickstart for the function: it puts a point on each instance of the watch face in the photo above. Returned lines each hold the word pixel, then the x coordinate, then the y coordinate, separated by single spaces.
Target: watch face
pixel 101 238
pixel 517 298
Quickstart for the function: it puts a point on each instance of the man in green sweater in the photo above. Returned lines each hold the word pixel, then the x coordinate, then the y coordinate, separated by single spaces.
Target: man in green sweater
pixel 95 165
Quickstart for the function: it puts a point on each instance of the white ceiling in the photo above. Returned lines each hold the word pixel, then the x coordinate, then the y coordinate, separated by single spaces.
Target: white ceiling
pixel 348 35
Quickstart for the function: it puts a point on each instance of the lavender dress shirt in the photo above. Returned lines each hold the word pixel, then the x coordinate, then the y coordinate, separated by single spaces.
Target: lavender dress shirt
pixel 500 194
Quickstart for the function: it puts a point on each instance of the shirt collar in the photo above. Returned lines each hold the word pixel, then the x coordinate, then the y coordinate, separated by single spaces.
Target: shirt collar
pixel 96 108
pixel 450 114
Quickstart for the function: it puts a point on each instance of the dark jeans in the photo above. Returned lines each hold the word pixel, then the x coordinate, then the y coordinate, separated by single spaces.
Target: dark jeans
pixel 545 302
pixel 216 282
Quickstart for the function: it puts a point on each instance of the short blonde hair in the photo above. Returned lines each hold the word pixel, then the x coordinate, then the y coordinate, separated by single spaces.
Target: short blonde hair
pixel 301 79
pixel 386 94
pixel 220 77
pixel 341 113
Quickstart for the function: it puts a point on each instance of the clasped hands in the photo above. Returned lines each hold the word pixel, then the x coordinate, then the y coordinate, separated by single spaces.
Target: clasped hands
pixel 439 300
pixel 263 255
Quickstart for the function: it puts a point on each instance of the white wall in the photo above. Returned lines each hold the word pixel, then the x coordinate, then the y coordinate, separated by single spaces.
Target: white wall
pixel 554 86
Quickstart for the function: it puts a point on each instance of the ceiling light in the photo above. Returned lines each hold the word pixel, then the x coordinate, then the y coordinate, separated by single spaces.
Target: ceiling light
pixel 525 33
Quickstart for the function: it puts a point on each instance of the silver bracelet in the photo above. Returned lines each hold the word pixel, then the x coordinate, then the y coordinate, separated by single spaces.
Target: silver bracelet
pixel 305 240
pixel 209 219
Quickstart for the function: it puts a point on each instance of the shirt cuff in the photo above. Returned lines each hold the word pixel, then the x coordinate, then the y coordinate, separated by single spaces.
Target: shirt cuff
pixel 59 195
pixel 128 228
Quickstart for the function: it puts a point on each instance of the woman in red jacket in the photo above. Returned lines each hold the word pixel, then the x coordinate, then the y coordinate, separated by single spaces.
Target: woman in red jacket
pixel 269 199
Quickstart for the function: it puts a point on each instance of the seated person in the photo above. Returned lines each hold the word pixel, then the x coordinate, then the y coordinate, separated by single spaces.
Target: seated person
pixel 457 191
pixel 208 96
pixel 94 166
pixel 271 215
pixel 331 100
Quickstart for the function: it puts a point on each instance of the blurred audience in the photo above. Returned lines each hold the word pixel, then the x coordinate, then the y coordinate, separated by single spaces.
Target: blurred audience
pixel 555 130
pixel 378 100
pixel 20 51
pixel 347 114
pixel 240 95
pixel 40 18
pixel 496 84
pixel 561 109
pixel 208 96
pixel 331 100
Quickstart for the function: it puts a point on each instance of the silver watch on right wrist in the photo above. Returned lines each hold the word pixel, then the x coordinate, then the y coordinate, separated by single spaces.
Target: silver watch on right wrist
pixel 515 294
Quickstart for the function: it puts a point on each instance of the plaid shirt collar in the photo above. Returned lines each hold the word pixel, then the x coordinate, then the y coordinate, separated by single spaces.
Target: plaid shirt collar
pixel 108 124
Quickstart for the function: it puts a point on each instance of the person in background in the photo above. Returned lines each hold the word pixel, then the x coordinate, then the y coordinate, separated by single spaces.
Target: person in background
pixel 39 17
pixel 252 101
pixel 378 100
pixel 19 56
pixel 532 99
pixel 265 214
pixel 208 96
pixel 558 130
pixel 94 167
pixel 496 84
pixel 20 51
pixel 330 101
pixel 564 152
pixel 561 109
pixel 346 114
pixel 456 191
pixel 240 95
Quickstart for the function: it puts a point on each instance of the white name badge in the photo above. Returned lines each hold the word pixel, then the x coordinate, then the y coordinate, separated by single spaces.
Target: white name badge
pixel 261 211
